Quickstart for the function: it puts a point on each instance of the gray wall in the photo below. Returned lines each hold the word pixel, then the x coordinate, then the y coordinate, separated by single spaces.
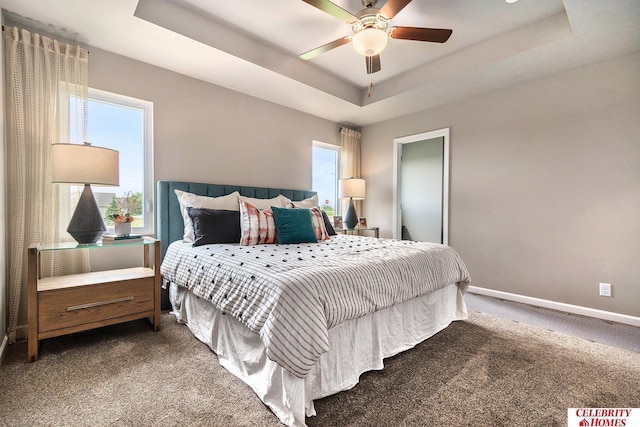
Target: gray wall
pixel 207 133
pixel 545 184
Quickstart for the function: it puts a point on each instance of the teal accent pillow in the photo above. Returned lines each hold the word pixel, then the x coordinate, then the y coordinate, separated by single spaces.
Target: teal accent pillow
pixel 293 225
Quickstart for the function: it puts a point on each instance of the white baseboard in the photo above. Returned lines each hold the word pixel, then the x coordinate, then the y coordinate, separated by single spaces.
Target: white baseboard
pixel 3 347
pixel 559 306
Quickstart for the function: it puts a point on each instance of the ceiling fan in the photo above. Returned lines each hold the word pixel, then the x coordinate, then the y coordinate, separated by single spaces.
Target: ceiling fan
pixel 370 32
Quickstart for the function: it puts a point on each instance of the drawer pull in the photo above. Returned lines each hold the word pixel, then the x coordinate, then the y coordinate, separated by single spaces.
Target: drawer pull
pixel 99 303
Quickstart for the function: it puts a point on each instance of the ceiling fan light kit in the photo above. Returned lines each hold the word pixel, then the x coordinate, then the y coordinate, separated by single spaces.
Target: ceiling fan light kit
pixel 369 31
pixel 370 41
pixel 370 34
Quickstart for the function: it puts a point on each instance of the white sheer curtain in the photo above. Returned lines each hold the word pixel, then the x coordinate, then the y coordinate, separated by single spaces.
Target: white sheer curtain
pixel 350 162
pixel 41 76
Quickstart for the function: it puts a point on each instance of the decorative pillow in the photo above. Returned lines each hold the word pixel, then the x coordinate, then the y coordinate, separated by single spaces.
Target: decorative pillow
pixel 228 202
pixel 257 226
pixel 279 201
pixel 212 226
pixel 317 221
pixel 294 225
pixel 327 224
pixel 306 203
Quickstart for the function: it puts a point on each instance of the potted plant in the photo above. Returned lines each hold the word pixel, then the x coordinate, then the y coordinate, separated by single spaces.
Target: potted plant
pixel 122 224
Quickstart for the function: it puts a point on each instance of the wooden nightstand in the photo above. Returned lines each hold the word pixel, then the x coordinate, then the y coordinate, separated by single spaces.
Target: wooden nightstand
pixel 359 231
pixel 66 304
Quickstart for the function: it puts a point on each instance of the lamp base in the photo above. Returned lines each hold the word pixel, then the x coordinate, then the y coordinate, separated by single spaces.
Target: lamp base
pixel 350 218
pixel 86 225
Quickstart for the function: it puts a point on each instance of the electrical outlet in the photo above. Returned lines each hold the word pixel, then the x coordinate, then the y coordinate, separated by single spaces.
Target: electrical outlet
pixel 605 289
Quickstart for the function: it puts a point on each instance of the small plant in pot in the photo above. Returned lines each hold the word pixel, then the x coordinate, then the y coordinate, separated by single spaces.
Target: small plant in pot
pixel 122 224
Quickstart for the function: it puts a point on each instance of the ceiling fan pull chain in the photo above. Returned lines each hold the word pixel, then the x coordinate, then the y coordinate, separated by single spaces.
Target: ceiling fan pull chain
pixel 369 67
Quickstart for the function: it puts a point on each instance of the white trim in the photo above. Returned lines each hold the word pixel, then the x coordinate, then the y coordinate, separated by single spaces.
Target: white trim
pixel 397 154
pixel 3 347
pixel 326 145
pixel 147 108
pixel 337 149
pixel 559 306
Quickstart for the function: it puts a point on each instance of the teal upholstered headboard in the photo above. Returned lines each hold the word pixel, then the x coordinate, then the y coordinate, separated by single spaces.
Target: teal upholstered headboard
pixel 169 223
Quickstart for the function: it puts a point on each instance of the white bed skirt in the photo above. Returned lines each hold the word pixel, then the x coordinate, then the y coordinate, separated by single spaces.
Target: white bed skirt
pixel 357 346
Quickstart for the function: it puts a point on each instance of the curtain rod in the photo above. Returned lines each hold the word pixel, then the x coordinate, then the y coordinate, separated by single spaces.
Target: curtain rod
pixel 52 36
pixel 344 127
pixel 347 128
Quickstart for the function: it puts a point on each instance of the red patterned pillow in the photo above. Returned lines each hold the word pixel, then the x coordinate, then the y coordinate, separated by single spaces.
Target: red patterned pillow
pixel 318 224
pixel 257 226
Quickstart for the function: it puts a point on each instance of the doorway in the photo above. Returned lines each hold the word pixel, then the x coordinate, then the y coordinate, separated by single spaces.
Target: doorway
pixel 421 190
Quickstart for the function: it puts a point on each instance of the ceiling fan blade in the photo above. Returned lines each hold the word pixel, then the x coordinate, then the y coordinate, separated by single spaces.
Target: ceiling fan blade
pixel 373 64
pixel 436 35
pixel 392 7
pixel 325 48
pixel 332 9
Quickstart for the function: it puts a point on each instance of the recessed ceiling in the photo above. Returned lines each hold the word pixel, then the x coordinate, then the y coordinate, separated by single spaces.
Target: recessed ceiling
pixel 298 27
pixel 253 46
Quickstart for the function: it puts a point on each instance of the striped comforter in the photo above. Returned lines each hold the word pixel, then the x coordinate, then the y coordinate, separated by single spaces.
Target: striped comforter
pixel 291 295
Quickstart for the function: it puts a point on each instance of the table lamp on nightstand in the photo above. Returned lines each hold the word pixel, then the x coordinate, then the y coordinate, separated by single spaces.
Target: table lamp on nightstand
pixel 352 189
pixel 85 164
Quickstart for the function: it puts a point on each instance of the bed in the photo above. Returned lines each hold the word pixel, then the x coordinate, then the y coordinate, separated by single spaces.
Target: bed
pixel 276 314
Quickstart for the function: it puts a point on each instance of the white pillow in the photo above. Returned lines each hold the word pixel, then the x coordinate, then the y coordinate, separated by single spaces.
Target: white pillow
pixel 186 200
pixel 306 203
pixel 278 201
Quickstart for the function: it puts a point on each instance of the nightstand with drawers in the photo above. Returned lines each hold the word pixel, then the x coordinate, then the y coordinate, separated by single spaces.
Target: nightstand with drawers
pixel 66 304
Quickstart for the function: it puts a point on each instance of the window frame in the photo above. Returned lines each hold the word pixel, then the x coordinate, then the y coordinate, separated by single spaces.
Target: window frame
pixel 337 149
pixel 147 140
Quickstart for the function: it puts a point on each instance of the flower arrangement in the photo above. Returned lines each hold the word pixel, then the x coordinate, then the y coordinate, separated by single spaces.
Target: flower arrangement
pixel 122 218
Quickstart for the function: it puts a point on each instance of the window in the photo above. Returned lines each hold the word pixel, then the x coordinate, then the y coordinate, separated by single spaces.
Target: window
pixel 123 124
pixel 326 161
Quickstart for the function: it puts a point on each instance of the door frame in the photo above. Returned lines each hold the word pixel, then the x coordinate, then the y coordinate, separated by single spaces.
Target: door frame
pixel 397 156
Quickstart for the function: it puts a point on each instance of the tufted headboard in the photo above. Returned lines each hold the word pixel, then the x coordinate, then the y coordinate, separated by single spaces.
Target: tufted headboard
pixel 169 223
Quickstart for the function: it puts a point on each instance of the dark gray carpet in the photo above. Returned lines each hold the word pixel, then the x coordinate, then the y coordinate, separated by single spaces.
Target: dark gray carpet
pixel 485 371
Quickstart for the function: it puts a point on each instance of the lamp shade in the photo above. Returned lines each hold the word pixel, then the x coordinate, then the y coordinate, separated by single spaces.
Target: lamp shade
pixel 351 188
pixel 84 164
pixel 370 41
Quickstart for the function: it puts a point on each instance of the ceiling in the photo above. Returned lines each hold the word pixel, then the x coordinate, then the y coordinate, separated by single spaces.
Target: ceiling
pixel 252 46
